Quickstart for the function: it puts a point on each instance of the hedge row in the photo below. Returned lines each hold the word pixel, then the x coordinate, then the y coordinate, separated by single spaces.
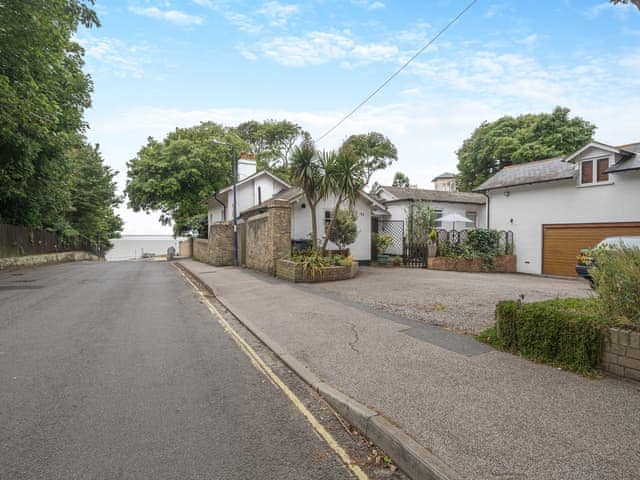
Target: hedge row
pixel 565 332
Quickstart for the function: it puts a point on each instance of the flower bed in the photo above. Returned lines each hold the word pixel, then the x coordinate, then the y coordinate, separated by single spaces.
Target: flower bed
pixel 294 272
pixel 499 264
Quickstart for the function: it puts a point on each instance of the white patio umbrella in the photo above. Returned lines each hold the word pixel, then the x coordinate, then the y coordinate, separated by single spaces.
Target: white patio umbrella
pixel 454 217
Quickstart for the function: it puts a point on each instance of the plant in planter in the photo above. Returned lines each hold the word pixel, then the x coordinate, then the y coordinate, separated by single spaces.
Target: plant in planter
pixel 382 242
pixel 344 230
pixel 432 243
pixel 396 261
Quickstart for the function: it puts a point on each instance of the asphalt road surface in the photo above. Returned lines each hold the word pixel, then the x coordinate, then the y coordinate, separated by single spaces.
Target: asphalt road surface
pixel 116 370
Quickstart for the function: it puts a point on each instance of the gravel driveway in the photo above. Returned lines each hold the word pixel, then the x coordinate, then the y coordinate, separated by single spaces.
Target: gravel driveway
pixel 463 302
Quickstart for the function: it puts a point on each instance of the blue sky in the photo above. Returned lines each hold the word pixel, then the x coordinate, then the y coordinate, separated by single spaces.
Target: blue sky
pixel 158 64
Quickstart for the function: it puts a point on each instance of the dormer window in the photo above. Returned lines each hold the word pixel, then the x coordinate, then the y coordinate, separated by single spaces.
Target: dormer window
pixel 593 172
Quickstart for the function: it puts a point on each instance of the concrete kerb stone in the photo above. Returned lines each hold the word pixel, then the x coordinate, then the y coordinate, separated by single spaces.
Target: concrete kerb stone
pixel 415 460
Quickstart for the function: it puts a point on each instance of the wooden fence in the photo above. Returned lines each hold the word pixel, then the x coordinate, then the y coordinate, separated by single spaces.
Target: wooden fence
pixel 17 241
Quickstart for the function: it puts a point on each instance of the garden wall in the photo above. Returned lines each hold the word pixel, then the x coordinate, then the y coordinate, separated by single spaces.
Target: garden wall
pixel 267 237
pixel 622 353
pixel 501 264
pixel 218 249
pixel 201 249
pixel 292 271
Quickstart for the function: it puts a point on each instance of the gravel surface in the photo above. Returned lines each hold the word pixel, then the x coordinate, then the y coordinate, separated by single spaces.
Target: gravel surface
pixel 463 302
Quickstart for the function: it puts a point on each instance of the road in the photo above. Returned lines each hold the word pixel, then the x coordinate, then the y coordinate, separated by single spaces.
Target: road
pixel 117 370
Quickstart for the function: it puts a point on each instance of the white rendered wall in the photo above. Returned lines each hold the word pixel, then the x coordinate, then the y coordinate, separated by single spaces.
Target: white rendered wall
pixel 527 208
pixel 301 224
pixel 398 211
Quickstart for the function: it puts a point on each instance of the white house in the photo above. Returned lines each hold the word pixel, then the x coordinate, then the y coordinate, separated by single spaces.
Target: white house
pixel 445 182
pixel 398 201
pixel 557 206
pixel 252 189
pixel 255 188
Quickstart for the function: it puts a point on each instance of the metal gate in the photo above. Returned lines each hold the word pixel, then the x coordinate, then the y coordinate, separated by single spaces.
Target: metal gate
pixel 415 255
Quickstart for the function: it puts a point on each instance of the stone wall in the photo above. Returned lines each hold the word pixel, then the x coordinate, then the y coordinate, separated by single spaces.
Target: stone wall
pixel 185 247
pixel 218 249
pixel 45 259
pixel 622 353
pixel 501 264
pixel 268 237
pixel 292 271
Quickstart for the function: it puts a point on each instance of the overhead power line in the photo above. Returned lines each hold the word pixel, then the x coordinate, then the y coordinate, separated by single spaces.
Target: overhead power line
pixel 404 65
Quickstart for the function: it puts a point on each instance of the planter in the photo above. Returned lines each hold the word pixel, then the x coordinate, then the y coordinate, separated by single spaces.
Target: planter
pixel 432 249
pixel 501 264
pixel 621 356
pixel 292 271
pixel 382 260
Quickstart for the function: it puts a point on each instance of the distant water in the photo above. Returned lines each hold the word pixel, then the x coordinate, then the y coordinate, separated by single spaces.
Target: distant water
pixel 131 247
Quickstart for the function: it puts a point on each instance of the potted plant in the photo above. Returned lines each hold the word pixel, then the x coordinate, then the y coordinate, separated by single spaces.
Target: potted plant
pixel 382 242
pixel 432 243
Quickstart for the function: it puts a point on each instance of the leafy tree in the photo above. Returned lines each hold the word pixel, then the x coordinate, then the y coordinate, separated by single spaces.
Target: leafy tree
pixel 178 174
pixel 400 180
pixel 93 197
pixel 375 189
pixel 307 173
pixel 344 177
pixel 525 138
pixel 272 141
pixel 43 95
pixel 345 229
pixel 421 219
pixel 376 151
pixel 625 2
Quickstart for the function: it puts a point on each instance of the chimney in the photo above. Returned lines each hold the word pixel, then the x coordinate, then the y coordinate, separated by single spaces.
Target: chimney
pixel 246 165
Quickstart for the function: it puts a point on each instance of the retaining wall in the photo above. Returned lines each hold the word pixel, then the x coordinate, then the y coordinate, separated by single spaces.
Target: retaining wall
pixel 622 353
pixel 292 271
pixel 501 264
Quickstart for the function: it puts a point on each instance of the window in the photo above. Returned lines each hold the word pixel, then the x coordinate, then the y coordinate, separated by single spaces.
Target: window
pixel 473 216
pixel 327 219
pixel 438 217
pixel 592 172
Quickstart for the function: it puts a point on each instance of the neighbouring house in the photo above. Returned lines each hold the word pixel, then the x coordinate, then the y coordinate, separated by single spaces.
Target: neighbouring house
pixel 445 182
pixel 398 201
pixel 258 190
pixel 556 207
pixel 252 189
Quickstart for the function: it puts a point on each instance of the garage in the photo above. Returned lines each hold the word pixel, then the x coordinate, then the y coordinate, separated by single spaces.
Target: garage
pixel 561 243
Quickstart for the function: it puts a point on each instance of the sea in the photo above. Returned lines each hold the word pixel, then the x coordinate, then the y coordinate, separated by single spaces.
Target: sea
pixel 133 247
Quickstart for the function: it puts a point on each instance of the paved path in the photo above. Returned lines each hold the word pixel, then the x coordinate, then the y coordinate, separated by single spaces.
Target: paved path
pixel 115 370
pixel 488 414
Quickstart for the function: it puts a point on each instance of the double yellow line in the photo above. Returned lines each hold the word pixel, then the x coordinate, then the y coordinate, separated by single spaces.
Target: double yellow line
pixel 260 365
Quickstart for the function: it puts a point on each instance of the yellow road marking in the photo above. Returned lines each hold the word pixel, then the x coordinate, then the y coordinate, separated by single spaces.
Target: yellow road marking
pixel 261 366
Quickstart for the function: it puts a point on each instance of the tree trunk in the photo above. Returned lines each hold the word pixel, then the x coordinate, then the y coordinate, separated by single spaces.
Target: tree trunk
pixel 314 225
pixel 331 223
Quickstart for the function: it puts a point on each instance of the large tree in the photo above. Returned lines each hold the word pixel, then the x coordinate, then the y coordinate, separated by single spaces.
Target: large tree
pixel 43 95
pixel 376 151
pixel 525 138
pixel 635 2
pixel 93 197
pixel 176 175
pixel 307 173
pixel 400 180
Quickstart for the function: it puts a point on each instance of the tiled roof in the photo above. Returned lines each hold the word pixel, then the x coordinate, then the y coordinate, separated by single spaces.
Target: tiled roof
pixel 444 175
pixel 433 195
pixel 630 163
pixel 531 172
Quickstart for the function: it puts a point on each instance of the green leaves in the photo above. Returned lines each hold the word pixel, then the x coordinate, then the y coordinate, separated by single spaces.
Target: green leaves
pixel 376 151
pixel 508 140
pixel 177 175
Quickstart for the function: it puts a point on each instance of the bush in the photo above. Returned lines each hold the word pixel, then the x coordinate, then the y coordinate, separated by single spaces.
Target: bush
pixel 397 260
pixel 382 242
pixel 344 230
pixel 567 332
pixel 617 283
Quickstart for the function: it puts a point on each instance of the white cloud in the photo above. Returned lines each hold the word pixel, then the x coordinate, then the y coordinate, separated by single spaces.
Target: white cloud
pixel 242 22
pixel 278 13
pixel 317 48
pixel 119 58
pixel 173 16
pixel 530 40
pixel 376 6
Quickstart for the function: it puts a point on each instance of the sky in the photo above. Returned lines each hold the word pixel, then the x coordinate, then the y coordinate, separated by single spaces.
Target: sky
pixel 161 64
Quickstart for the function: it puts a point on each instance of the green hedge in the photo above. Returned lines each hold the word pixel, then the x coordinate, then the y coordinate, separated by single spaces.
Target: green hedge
pixel 565 332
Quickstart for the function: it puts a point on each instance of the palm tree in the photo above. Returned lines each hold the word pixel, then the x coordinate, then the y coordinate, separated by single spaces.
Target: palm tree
pixel 345 176
pixel 306 173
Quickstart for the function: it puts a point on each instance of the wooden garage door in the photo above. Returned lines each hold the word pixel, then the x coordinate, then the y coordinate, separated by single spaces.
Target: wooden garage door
pixel 562 243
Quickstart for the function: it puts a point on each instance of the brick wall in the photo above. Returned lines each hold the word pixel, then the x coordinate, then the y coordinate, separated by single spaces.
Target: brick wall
pixel 622 353
pixel 501 264
pixel 292 271
pixel 218 249
pixel 267 237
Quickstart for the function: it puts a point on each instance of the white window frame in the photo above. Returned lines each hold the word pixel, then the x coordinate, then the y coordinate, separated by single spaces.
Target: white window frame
pixel 594 172
pixel 438 214
pixel 473 214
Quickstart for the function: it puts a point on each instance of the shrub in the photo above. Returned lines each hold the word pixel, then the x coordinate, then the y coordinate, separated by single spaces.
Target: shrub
pixel 567 332
pixel 397 260
pixel 483 242
pixel 617 282
pixel 344 230
pixel 382 242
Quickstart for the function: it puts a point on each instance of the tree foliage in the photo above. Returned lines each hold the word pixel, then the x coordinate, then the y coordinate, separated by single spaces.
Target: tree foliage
pixel 272 141
pixel 626 2
pixel 307 173
pixel 345 230
pixel 400 180
pixel 93 197
pixel 421 219
pixel 525 138
pixel 179 173
pixel 43 95
pixel 375 150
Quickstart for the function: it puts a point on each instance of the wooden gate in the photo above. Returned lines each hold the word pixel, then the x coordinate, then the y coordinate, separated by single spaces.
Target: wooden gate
pixel 415 255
